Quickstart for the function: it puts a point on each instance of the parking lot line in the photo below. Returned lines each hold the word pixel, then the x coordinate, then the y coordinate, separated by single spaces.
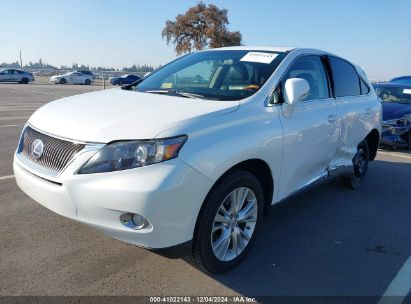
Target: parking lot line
pixel 7 126
pixel 6 177
pixel 395 154
pixel 399 287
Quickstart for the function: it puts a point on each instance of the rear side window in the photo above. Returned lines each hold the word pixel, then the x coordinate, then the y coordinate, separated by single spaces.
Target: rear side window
pixel 346 80
pixel 364 87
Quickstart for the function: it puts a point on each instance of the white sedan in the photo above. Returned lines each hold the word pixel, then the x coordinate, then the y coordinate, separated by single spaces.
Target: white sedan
pixel 187 161
pixel 72 78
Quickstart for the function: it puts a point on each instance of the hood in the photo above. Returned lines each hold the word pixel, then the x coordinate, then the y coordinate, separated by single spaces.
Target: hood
pixel 117 114
pixel 392 110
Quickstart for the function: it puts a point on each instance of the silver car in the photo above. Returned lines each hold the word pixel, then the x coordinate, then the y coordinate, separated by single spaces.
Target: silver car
pixel 15 75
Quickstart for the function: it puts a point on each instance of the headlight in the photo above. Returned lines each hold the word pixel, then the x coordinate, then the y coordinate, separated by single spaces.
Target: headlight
pixel 122 155
pixel 406 119
pixel 390 122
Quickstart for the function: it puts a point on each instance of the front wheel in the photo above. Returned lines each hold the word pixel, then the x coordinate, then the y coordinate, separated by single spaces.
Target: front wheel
pixel 25 80
pixel 227 223
pixel 63 81
pixel 87 82
pixel 360 166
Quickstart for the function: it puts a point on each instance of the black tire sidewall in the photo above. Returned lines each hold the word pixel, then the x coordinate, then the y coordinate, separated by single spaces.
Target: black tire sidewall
pixel 87 82
pixel 63 81
pixel 354 180
pixel 217 195
pixel 25 81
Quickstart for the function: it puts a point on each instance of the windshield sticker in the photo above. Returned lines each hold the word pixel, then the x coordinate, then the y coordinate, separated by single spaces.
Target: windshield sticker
pixel 259 57
pixel 406 91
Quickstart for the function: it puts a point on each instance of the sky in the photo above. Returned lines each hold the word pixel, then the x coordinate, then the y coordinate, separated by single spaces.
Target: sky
pixel 374 34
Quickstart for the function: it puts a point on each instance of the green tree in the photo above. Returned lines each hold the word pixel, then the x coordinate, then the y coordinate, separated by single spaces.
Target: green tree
pixel 200 27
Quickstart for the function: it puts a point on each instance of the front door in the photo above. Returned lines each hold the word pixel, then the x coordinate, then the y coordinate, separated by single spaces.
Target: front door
pixel 311 127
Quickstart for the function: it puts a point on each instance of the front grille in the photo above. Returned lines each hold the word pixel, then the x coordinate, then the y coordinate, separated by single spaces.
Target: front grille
pixel 57 153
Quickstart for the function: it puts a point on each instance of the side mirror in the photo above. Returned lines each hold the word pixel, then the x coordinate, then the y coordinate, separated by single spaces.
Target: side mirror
pixel 295 90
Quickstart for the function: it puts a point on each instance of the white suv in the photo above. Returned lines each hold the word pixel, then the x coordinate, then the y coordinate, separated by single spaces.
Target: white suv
pixel 186 161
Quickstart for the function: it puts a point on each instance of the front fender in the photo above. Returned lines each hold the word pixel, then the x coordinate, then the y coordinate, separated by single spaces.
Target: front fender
pixel 218 144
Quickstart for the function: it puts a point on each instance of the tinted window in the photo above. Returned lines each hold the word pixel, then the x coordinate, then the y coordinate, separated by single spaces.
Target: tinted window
pixel 311 69
pixel 346 81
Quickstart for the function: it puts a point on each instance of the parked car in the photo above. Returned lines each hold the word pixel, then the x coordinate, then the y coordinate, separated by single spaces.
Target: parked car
pixel 86 72
pixel 402 79
pixel 15 75
pixel 125 79
pixel 396 117
pixel 72 78
pixel 187 170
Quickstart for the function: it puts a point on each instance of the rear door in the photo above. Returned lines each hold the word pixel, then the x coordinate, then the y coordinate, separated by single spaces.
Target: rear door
pixel 311 127
pixel 15 75
pixel 355 104
pixel 77 77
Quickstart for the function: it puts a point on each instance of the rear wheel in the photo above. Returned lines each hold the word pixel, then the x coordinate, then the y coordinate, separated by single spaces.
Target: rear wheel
pixel 87 82
pixel 227 223
pixel 360 166
pixel 63 81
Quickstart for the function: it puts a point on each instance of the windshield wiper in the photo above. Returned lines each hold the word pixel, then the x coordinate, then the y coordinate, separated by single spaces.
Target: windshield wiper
pixel 133 84
pixel 176 92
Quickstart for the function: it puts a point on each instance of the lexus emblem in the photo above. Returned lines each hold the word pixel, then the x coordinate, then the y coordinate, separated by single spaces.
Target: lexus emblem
pixel 37 148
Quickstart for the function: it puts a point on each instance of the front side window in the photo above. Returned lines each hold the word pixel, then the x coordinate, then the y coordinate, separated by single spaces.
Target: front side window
pixel 218 75
pixel 310 68
pixel 346 80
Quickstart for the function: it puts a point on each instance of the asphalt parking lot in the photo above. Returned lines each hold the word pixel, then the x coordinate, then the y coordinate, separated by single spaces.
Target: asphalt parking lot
pixel 327 241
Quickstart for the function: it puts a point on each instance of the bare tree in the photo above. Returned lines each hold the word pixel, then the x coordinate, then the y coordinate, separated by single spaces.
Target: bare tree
pixel 200 27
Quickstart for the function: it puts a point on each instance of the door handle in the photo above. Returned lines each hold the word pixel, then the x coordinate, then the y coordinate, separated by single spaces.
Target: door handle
pixel 332 118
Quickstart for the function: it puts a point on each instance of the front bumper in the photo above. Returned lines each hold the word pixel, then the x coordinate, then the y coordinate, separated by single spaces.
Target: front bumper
pixel 169 195
pixel 392 135
pixel 55 80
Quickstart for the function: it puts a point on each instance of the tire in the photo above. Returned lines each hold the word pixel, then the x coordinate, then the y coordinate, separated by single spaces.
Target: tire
pixel 24 80
pixel 360 167
pixel 87 82
pixel 120 83
pixel 63 81
pixel 209 253
pixel 408 139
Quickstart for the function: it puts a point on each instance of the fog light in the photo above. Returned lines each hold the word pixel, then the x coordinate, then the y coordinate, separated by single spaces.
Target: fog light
pixel 133 221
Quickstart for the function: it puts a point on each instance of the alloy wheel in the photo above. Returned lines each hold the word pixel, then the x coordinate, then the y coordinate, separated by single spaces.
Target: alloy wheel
pixel 234 224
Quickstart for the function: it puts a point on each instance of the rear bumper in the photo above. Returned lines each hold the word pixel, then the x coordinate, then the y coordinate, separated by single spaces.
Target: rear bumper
pixel 169 195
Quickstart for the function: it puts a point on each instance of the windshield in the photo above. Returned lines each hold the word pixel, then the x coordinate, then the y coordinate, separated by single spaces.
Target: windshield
pixel 394 94
pixel 218 75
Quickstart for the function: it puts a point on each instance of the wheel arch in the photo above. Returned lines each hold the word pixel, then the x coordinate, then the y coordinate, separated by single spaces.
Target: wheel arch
pixel 261 170
pixel 373 141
